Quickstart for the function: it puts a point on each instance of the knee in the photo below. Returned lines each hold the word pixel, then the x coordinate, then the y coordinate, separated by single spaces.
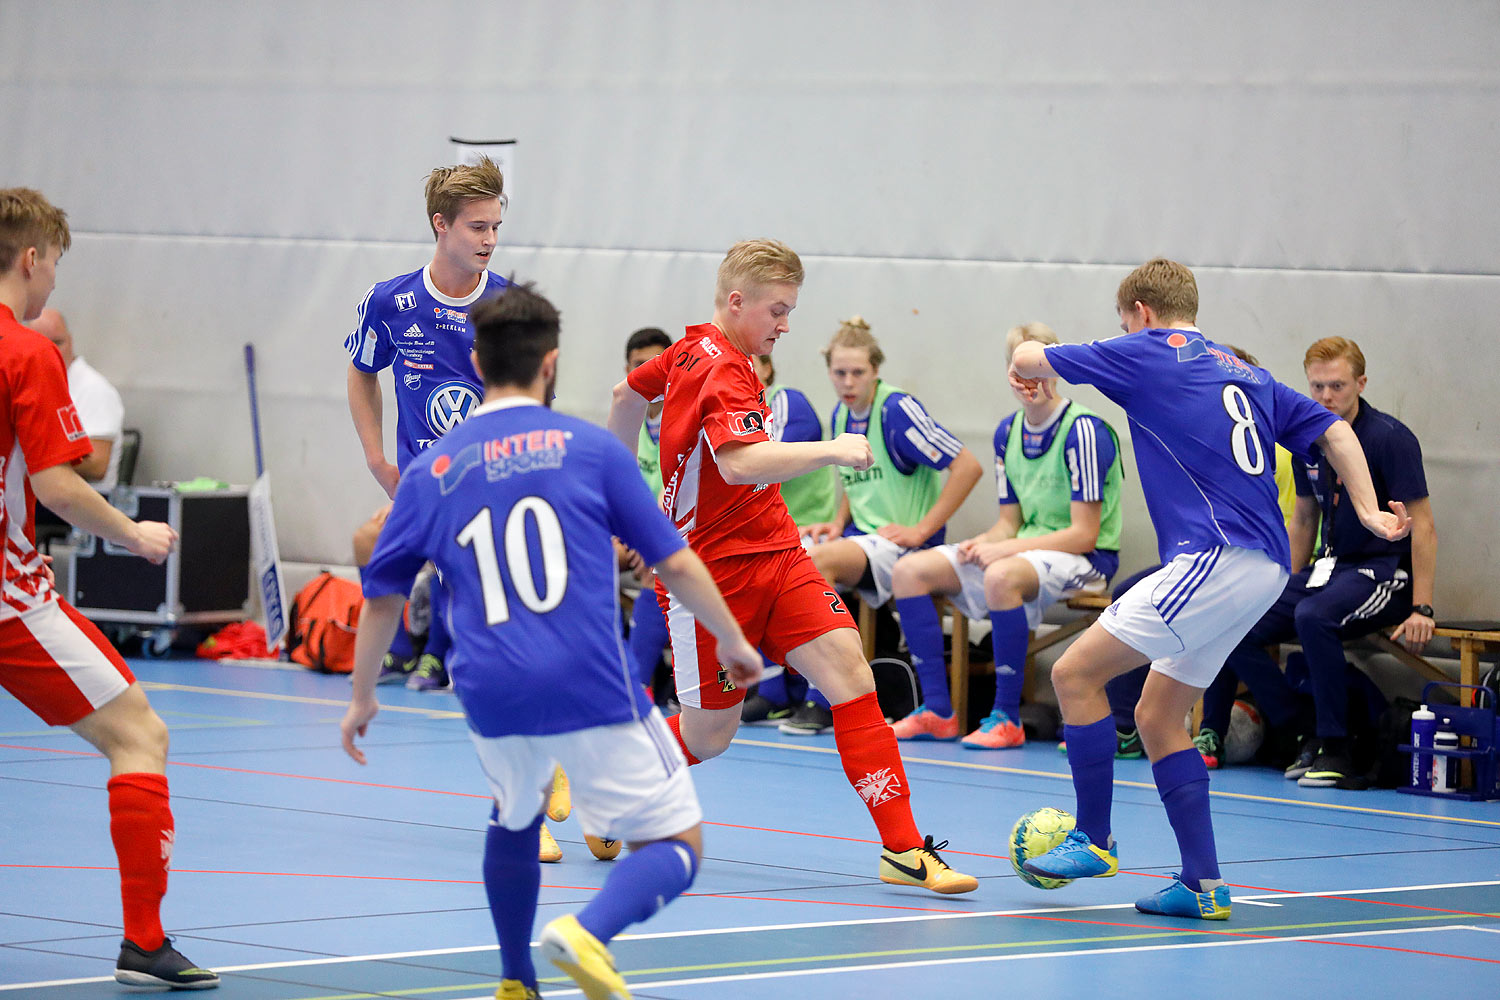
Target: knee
pixel 1069 680
pixel 909 578
pixel 1310 616
pixel 147 737
pixel 1150 720
pixel 1001 589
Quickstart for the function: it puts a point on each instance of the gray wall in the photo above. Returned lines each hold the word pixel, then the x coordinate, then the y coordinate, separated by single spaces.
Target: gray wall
pixel 243 172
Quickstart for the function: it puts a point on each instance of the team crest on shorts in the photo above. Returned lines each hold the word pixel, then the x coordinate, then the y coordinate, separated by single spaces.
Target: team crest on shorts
pixel 878 786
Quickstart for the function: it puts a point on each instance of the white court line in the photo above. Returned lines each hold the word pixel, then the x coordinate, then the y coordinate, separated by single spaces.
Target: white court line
pixel 761 928
pixel 298 699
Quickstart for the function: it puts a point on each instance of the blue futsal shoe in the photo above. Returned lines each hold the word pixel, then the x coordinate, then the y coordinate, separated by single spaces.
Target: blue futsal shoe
pixel 1076 857
pixel 1177 900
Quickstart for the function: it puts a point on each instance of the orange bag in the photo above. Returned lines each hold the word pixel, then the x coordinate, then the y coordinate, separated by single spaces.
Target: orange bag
pixel 325 617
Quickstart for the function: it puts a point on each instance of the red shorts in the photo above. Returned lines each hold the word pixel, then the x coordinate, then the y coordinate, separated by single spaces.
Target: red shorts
pixel 59 665
pixel 780 600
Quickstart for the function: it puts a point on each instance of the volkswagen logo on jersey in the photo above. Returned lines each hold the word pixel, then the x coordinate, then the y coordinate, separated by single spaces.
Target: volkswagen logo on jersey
pixel 449 404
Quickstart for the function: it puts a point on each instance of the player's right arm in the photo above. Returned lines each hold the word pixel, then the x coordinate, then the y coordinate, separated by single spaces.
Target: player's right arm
pixel 689 581
pixel 366 406
pixel 747 463
pixel 70 497
pixel 627 411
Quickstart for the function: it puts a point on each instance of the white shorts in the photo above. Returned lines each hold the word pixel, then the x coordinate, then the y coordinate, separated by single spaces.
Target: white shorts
pixel 629 780
pixel 1187 616
pixel 882 554
pixel 1059 575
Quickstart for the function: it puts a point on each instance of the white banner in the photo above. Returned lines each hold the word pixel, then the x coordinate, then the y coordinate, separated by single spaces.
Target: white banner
pixel 265 557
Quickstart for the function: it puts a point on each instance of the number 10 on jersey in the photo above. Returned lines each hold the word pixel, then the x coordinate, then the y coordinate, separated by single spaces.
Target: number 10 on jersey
pixel 479 536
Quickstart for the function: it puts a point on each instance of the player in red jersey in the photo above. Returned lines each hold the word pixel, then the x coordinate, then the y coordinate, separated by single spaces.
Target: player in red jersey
pixel 721 473
pixel 52 659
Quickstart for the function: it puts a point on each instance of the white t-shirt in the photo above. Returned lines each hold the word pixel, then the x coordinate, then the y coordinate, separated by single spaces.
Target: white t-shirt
pixel 101 412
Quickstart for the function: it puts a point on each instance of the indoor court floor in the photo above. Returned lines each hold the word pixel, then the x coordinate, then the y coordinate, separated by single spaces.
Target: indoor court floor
pixel 299 875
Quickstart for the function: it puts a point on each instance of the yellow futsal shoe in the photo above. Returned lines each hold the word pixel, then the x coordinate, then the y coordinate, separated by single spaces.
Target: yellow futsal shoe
pixel 514 989
pixel 604 850
pixel 921 866
pixel 560 804
pixel 548 852
pixel 574 950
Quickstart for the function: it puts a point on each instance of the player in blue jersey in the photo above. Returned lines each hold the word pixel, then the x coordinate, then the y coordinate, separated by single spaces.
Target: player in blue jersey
pixel 1203 424
pixel 418 324
pixel 517 507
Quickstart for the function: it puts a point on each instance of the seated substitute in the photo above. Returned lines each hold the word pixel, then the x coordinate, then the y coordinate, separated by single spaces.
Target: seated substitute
pixel 1057 472
pixel 648 624
pixel 100 408
pixel 897 505
pixel 518 506
pixel 1360 582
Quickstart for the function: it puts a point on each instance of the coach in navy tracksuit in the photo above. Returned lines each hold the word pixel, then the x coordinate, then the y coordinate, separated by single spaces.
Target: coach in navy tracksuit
pixel 1359 583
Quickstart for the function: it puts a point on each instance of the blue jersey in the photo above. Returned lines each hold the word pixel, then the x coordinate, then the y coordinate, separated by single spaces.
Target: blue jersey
pixel 793 417
pixel 436 388
pixel 1203 423
pixel 516 507
pixel 912 438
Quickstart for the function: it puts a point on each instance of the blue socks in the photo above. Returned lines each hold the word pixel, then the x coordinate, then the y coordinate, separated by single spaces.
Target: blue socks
pixel 438 642
pixel 774 690
pixel 1091 755
pixel 401 647
pixel 648 636
pixel 641 883
pixel 1009 636
pixel 512 880
pixel 924 637
pixel 1182 782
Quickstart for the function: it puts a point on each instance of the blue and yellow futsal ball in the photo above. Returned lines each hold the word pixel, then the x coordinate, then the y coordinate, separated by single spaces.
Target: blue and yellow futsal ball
pixel 1035 834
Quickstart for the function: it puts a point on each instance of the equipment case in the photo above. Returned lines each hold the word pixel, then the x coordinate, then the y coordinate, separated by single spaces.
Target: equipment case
pixel 205 579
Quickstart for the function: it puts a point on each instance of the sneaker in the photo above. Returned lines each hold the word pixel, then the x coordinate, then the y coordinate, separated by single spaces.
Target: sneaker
pixel 1209 747
pixel 548 851
pixel 921 866
pixel 1330 770
pixel 761 711
pixel 925 724
pixel 809 720
pixel 584 957
pixel 1177 900
pixel 514 989
pixel 165 966
pixel 429 675
pixel 1128 745
pixel 604 850
pixel 1306 754
pixel 1076 857
pixel 997 731
pixel 394 670
pixel 560 802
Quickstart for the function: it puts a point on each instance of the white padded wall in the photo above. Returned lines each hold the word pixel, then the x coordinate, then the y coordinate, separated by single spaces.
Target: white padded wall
pixel 243 171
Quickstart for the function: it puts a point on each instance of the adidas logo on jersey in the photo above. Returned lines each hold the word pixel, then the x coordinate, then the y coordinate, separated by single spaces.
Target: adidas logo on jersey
pixel 413 331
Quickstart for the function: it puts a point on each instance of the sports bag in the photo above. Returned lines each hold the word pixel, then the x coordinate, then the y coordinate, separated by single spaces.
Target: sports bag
pixel 325 616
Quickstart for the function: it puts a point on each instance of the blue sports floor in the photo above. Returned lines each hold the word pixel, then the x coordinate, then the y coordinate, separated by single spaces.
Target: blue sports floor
pixel 299 874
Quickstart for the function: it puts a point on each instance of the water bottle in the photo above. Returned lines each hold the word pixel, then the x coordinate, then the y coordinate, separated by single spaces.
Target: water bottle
pixel 1445 769
pixel 1423 726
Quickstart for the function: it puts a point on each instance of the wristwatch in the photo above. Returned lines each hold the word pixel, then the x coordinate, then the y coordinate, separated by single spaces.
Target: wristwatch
pixel 1422 609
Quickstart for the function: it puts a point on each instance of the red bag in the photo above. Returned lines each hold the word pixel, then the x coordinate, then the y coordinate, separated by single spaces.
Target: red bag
pixel 325 617
pixel 239 641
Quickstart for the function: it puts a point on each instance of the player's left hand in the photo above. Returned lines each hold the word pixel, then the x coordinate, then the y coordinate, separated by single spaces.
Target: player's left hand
pixel 1415 632
pixel 47 568
pixel 356 721
pixel 741 661
pixel 907 538
pixel 981 554
pixel 1392 526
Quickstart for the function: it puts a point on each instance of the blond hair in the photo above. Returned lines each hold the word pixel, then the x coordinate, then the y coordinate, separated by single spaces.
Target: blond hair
pixel 750 264
pixel 1333 348
pixel 855 332
pixel 1037 333
pixel 449 189
pixel 28 219
pixel 1168 287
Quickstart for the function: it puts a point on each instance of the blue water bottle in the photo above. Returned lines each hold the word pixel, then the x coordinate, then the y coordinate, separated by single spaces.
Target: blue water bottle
pixel 1423 732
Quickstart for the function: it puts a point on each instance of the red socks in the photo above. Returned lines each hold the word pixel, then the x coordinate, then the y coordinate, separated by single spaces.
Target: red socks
pixel 140 824
pixel 675 724
pixel 867 749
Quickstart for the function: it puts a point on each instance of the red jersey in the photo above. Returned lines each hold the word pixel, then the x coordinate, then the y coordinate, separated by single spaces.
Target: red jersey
pixel 39 428
pixel 713 396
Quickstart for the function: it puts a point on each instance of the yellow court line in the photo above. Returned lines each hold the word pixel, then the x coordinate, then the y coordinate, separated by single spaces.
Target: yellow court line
pixel 431 713
pixel 1062 776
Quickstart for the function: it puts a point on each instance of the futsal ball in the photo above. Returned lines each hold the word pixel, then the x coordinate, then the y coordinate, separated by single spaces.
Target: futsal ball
pixel 1247 730
pixel 1035 834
